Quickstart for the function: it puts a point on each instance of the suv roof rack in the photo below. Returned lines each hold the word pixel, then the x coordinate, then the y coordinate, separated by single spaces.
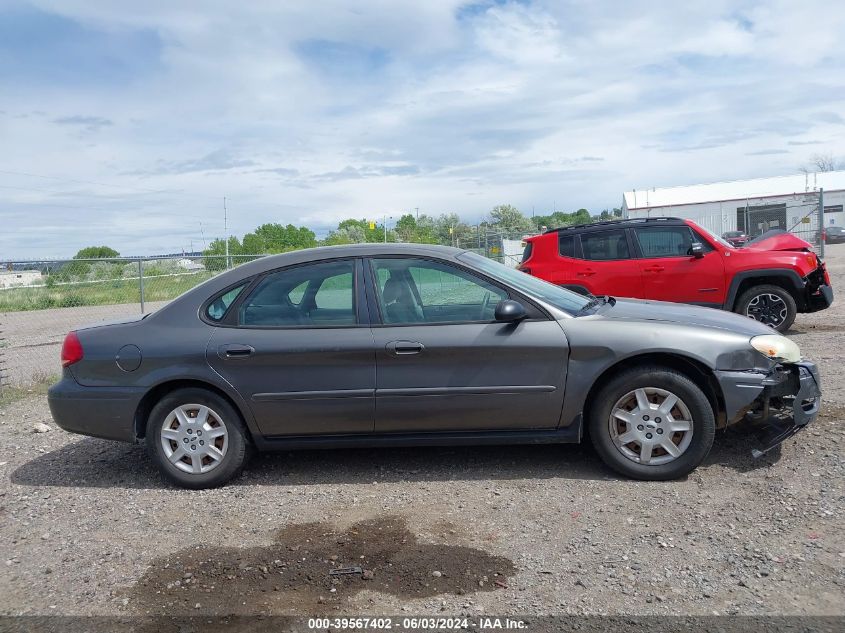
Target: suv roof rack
pixel 613 223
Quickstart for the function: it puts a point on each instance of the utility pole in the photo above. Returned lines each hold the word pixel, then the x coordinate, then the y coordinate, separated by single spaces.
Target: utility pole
pixel 386 217
pixel 417 209
pixel 821 223
pixel 226 230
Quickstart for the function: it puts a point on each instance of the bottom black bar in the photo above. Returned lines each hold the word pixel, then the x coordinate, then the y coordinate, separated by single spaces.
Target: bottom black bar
pixel 406 623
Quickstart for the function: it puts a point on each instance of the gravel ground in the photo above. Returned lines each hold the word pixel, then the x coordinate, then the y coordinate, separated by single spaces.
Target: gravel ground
pixel 87 527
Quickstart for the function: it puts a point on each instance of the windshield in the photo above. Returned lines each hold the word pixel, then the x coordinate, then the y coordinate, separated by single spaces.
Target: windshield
pixel 715 237
pixel 565 300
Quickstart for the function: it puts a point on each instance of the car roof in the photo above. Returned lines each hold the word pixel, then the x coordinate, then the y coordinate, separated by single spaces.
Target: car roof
pixel 193 298
pixel 624 223
pixel 272 262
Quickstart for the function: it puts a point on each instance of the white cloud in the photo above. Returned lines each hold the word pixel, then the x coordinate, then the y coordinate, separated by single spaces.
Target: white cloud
pixel 304 112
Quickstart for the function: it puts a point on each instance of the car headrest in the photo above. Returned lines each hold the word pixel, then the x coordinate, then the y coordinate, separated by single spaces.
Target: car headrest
pixel 392 290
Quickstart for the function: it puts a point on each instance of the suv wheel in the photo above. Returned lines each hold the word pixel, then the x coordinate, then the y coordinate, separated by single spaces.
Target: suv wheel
pixel 196 438
pixel 768 304
pixel 652 423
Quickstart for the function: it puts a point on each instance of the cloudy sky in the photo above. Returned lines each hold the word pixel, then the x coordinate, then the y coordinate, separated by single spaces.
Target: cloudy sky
pixel 126 123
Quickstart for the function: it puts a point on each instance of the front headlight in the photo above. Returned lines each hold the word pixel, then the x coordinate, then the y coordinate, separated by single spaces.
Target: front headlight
pixel 777 347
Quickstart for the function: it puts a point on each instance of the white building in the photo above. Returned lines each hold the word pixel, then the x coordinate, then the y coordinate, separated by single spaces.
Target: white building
pixel 12 278
pixel 753 206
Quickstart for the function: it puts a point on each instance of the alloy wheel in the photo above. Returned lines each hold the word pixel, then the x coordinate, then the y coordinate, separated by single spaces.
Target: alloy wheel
pixel 650 426
pixel 194 438
pixel 767 308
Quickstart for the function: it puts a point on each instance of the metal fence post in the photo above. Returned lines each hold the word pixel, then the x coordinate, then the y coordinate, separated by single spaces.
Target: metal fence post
pixel 821 223
pixel 141 282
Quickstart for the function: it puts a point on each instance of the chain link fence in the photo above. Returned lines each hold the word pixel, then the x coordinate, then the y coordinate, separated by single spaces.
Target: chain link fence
pixel 42 300
pixel 802 215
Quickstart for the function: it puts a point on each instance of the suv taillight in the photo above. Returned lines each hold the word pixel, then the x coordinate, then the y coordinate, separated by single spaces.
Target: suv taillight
pixel 71 350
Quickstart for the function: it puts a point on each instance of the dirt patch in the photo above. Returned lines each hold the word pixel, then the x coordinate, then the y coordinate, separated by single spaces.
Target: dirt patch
pixel 294 574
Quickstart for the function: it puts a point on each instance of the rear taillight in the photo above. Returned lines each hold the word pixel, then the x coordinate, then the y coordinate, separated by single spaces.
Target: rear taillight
pixel 71 350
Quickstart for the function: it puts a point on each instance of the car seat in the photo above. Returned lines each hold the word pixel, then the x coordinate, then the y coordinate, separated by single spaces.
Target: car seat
pixel 399 303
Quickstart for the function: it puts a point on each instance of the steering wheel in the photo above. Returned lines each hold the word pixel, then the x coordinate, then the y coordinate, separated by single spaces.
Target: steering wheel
pixel 484 304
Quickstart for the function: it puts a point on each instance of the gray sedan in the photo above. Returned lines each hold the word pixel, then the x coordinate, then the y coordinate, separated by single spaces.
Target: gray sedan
pixel 399 344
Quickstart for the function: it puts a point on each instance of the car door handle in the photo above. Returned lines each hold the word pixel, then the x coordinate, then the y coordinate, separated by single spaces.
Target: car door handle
pixel 654 269
pixel 402 348
pixel 586 273
pixel 235 350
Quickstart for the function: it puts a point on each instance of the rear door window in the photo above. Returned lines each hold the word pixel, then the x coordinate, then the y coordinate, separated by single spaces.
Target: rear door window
pixel 313 295
pixel 664 241
pixel 605 245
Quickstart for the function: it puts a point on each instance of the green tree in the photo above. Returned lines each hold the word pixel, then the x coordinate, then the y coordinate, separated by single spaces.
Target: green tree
pixel 275 238
pixel 357 232
pixel 215 253
pixel 560 218
pixel 506 217
pixel 96 252
pixel 408 230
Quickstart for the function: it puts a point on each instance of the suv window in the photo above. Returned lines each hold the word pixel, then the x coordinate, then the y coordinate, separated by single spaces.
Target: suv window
pixel 305 296
pixel 605 245
pixel 425 291
pixel 665 241
pixel 526 254
pixel 566 245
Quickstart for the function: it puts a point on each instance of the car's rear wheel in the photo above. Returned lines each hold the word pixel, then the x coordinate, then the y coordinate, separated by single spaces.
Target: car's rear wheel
pixel 196 438
pixel 768 304
pixel 652 423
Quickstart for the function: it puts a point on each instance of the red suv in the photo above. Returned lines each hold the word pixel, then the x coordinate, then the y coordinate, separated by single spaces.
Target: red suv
pixel 772 278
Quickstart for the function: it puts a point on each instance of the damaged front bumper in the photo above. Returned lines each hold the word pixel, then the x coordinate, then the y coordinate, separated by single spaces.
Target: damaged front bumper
pixel 780 402
pixel 818 293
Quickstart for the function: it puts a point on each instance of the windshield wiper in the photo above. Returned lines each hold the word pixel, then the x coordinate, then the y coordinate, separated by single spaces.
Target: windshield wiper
pixel 597 301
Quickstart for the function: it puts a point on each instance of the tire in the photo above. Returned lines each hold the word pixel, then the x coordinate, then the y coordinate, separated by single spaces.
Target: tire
pixel 768 304
pixel 223 430
pixel 654 382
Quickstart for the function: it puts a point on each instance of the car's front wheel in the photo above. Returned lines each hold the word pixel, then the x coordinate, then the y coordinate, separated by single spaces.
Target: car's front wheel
pixel 769 304
pixel 651 423
pixel 196 438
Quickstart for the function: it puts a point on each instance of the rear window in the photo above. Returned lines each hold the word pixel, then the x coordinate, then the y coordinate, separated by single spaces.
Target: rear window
pixel 566 245
pixel 216 310
pixel 526 254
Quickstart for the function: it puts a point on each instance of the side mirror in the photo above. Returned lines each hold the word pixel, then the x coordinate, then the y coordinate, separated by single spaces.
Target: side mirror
pixel 696 249
pixel 509 311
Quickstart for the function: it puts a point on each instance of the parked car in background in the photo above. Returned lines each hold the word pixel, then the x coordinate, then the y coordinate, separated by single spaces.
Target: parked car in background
pixel 735 238
pixel 770 279
pixel 834 235
pixel 399 344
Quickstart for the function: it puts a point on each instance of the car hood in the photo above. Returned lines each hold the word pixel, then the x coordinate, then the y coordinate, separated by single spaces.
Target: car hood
pixel 778 241
pixel 662 311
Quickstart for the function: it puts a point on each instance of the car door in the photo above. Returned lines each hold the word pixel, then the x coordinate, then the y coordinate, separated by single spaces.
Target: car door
pixel 299 349
pixel 607 266
pixel 671 273
pixel 444 364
